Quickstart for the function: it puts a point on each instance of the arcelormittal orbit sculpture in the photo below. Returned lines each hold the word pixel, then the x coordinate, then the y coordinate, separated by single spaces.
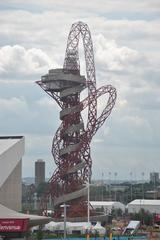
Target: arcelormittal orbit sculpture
pixel 71 143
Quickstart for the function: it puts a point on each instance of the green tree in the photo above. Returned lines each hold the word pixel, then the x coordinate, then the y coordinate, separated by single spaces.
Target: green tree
pixel 39 233
pixel 144 216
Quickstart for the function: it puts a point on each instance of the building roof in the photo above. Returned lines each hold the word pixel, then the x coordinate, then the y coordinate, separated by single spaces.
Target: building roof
pixel 6 213
pixel 39 160
pixel 104 203
pixel 145 202
pixel 108 204
pixel 8 141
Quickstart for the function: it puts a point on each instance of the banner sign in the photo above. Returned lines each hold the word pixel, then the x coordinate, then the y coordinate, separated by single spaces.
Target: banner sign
pixel 13 225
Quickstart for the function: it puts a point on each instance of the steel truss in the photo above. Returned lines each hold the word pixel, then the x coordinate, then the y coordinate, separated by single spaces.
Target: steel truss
pixel 71 143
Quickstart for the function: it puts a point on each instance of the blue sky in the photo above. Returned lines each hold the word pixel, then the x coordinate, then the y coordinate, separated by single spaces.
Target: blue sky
pixel 126 40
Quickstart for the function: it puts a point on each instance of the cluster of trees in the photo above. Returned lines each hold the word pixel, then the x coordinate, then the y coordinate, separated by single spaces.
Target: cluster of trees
pixel 145 217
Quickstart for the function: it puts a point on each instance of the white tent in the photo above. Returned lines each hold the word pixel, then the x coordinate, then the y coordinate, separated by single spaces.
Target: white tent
pixel 98 228
pixel 70 227
pixel 52 226
pixel 151 205
pixel 108 205
pixel 78 226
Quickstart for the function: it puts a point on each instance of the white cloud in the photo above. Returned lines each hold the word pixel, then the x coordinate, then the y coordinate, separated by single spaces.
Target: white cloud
pixel 122 103
pixel 33 142
pixel 37 146
pixel 116 5
pixel 115 58
pixel 18 60
pixel 97 140
pixel 134 120
pixel 38 29
pixel 13 106
pixel 46 101
pixel 21 116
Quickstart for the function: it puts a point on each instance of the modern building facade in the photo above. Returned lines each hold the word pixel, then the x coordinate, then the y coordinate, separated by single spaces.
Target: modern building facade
pixel 39 172
pixel 11 152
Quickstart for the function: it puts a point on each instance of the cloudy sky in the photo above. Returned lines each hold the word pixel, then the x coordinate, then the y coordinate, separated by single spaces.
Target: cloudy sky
pixel 126 40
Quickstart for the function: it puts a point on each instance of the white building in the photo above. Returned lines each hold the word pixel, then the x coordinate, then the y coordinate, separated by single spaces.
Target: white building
pixel 11 152
pixel 153 206
pixel 108 205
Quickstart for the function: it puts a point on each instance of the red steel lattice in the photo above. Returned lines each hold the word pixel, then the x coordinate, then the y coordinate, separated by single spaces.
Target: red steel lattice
pixel 71 143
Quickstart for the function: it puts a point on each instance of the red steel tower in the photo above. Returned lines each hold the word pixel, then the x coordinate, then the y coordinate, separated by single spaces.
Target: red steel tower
pixel 71 143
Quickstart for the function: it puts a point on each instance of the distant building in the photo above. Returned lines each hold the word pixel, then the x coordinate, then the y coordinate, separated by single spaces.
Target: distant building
pixel 152 206
pixel 108 206
pixel 152 194
pixel 120 188
pixel 39 172
pixel 154 177
pixel 11 152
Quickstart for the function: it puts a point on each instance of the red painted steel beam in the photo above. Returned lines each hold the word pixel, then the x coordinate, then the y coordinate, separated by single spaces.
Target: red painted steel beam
pixel 71 151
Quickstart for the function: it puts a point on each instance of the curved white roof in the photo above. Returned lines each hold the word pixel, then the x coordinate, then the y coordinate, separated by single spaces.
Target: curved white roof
pixel 104 203
pixel 145 202
pixel 107 204
pixel 6 213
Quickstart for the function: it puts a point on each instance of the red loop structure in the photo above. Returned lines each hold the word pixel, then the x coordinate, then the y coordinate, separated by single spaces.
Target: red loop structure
pixel 71 143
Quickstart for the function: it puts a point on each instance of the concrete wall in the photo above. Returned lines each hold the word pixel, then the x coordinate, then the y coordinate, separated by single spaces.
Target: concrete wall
pixel 11 190
pixel 11 152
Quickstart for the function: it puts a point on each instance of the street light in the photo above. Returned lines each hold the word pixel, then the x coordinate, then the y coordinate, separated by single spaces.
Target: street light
pixel 65 216
pixel 88 184
pixel 115 175
pixel 154 185
pixel 102 186
pixel 109 185
pixel 142 185
pixel 131 187
pixel 88 210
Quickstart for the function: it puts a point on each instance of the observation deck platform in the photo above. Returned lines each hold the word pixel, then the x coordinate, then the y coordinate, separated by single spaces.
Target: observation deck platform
pixel 59 79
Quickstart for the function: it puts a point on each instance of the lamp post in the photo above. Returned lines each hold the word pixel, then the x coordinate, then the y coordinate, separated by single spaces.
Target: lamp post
pixel 142 185
pixel 102 186
pixel 65 217
pixel 109 185
pixel 154 185
pixel 88 210
pixel 115 175
pixel 88 200
pixel 131 186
